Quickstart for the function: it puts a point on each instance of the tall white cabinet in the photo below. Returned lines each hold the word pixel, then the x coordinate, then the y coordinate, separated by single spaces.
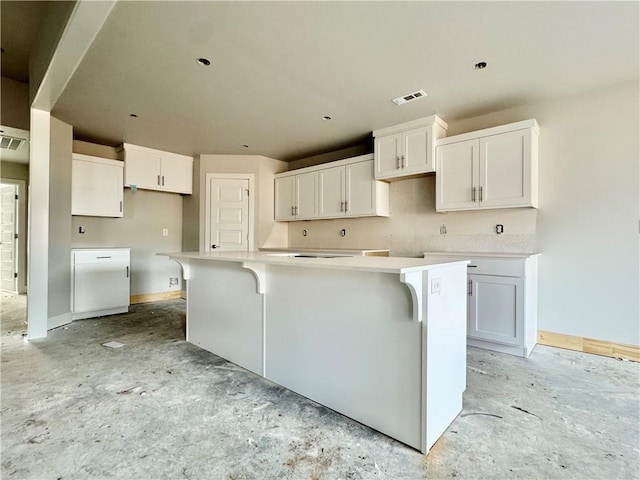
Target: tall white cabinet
pixel 502 301
pixel 492 168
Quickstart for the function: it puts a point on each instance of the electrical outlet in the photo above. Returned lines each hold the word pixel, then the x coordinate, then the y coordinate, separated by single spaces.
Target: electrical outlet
pixel 81 230
pixel 443 229
pixel 173 281
pixel 343 232
pixel 499 229
pixel 165 232
pixel 436 286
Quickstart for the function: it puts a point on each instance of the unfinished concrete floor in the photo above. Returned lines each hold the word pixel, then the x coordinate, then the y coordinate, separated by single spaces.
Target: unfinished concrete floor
pixel 162 408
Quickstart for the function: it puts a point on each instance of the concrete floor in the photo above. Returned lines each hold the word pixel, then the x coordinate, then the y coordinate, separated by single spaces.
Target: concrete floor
pixel 162 408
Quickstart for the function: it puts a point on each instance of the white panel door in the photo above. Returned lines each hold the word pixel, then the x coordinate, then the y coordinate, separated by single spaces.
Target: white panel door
pixel 415 151
pixel 496 309
pixel 331 189
pixel 457 176
pixel 360 189
pixel 96 189
pixel 307 196
pixel 8 250
pixel 176 174
pixel 285 188
pixel 505 169
pixel 387 152
pixel 142 169
pixel 229 214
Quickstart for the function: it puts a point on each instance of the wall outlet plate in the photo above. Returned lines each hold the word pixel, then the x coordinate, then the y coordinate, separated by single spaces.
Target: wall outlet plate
pixel 436 286
pixel 499 229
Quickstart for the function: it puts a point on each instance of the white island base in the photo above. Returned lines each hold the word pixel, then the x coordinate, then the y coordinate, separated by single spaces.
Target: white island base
pixel 364 336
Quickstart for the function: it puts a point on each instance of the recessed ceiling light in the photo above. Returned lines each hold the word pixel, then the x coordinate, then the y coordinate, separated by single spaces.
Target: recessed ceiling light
pixel 245 146
pixel 480 65
pixel 205 62
pixel 133 115
pixel 326 117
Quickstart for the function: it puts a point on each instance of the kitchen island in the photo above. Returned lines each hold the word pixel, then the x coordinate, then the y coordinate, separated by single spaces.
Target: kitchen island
pixel 379 339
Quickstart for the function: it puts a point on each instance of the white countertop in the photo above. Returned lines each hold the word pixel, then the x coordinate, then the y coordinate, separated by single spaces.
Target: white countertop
pixel 397 265
pixel 347 251
pixel 480 254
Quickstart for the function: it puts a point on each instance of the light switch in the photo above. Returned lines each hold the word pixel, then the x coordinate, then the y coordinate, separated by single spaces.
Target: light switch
pixel 436 286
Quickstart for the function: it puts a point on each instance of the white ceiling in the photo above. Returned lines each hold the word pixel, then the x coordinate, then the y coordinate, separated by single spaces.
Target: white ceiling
pixel 279 67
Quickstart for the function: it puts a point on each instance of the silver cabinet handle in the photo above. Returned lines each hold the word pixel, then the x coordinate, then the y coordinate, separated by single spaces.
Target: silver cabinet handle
pixel 473 194
pixel 127 271
pixel 397 162
pixel 120 206
pixel 292 214
pixel 404 162
pixel 470 288
pixel 163 180
pixel 346 206
pixel 480 192
pixel 158 179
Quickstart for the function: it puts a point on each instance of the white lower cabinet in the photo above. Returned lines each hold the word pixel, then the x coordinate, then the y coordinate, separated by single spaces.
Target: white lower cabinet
pixel 502 301
pixel 99 282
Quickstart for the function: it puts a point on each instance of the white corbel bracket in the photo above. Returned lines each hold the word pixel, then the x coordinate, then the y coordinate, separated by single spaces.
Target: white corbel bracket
pixel 186 268
pixel 258 270
pixel 413 280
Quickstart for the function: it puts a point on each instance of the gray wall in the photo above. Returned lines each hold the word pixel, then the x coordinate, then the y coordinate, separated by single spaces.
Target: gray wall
pixel 586 226
pixel 14 104
pixel 146 214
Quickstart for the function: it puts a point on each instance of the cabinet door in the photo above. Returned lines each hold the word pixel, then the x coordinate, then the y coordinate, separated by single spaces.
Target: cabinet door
pixel 176 174
pixel 505 169
pixel 96 188
pixel 416 154
pixel 284 198
pixel 457 175
pixel 142 169
pixel 496 309
pixel 360 189
pixel 387 156
pixel 306 196
pixel 331 189
pixel 100 286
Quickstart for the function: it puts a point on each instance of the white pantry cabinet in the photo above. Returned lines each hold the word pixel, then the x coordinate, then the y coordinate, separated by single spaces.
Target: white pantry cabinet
pixel 502 306
pixel 99 282
pixel 348 190
pixel 296 197
pixel 407 149
pixel 96 186
pixel 345 188
pixel 492 168
pixel 151 169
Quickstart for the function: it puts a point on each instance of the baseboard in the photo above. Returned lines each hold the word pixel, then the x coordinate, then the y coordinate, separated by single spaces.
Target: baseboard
pixel 590 345
pixel 58 320
pixel 155 297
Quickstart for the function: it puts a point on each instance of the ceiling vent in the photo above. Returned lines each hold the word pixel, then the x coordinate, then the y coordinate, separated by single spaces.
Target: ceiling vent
pixel 11 143
pixel 409 97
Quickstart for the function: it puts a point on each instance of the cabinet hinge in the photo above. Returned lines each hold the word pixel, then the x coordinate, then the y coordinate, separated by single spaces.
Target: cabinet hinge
pixel 15 235
pixel 15 275
pixel 248 192
pixel 16 197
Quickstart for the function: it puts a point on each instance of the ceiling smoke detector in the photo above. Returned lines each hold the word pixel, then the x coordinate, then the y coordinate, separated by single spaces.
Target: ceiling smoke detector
pixel 409 97
pixel 11 143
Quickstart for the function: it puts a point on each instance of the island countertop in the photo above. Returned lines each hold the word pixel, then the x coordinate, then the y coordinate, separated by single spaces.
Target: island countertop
pixel 396 265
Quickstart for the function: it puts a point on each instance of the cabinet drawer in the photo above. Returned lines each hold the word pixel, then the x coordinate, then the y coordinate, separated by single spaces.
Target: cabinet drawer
pixel 505 267
pixel 100 256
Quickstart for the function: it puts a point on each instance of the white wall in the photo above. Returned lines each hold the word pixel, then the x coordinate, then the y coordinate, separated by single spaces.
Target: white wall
pixel 586 226
pixel 146 214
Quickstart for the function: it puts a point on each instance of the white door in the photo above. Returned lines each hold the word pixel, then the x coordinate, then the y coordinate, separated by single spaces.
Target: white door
pixel 8 248
pixel 496 309
pixel 387 150
pixel 457 176
pixel 415 151
pixel 228 214
pixel 331 188
pixel 360 190
pixel 285 198
pixel 505 169
pixel 307 196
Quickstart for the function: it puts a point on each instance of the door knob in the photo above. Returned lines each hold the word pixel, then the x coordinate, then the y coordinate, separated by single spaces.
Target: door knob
pixel 214 246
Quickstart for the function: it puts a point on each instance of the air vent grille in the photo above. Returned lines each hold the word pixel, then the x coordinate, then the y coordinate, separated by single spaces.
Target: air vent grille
pixel 11 143
pixel 409 97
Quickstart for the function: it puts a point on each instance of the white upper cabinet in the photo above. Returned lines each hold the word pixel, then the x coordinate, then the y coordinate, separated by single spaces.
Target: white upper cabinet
pixel 407 149
pixel 96 186
pixel 492 168
pixel 345 188
pixel 151 169
pixel 296 197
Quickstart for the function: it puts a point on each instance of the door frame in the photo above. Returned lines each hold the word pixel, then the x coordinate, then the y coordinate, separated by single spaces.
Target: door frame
pixel 21 229
pixel 206 235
